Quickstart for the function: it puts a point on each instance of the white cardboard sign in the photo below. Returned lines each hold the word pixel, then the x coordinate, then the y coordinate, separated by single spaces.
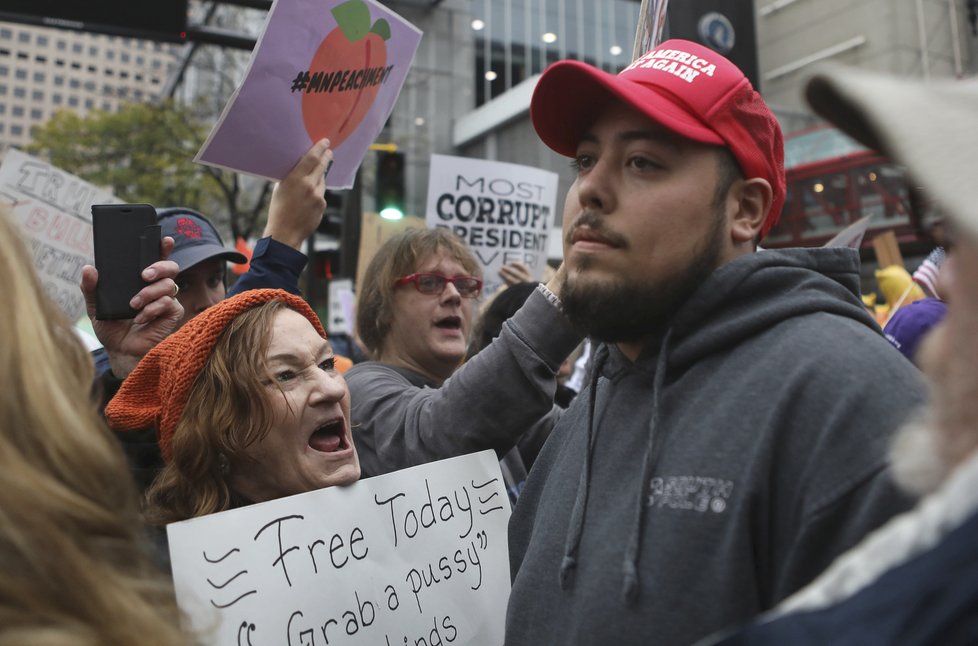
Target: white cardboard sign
pixel 416 557
pixel 54 210
pixel 503 211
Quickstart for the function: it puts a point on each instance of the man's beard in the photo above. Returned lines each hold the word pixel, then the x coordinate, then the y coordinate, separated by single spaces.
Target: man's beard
pixel 636 307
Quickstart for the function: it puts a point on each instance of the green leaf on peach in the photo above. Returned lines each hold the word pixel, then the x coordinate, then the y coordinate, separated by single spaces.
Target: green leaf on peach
pixel 353 19
pixel 382 28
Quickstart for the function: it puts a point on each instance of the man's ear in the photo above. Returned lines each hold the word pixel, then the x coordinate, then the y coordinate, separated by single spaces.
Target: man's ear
pixel 750 200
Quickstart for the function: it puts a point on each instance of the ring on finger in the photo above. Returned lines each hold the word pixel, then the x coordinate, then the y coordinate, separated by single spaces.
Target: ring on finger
pixel 176 290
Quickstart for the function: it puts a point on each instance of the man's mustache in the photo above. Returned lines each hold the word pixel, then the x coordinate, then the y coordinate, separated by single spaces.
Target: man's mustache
pixel 596 224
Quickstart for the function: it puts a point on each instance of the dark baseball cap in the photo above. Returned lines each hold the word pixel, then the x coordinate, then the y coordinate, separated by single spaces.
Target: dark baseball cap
pixel 196 239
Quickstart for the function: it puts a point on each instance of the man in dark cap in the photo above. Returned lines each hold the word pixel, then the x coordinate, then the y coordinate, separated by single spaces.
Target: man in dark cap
pixel 197 265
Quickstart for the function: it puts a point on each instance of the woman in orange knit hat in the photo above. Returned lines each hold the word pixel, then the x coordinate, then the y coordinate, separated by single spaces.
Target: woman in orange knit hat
pixel 248 407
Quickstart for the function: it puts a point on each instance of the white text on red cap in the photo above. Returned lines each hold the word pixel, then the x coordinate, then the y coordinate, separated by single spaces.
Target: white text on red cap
pixel 676 62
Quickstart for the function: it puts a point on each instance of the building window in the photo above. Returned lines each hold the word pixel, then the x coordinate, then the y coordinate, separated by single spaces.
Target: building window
pixel 91 68
pixel 16 130
pixel 56 99
pixel 60 62
pixel 4 70
pixel 62 45
pixel 3 90
pixel 106 106
pixel 38 77
pixel 42 40
pixel 76 66
pixel 140 60
pixel 20 74
pixel 17 111
pixel 59 80
pixel 75 83
pixel 89 104
pixel 124 74
pixel 110 54
pixel 93 51
pixel 6 33
pixel 20 92
pixel 37 95
pixel 36 114
pixel 73 101
pixel 124 57
pixel 90 86
pixel 3 108
pixel 23 37
pixel 76 48
pixel 22 56
pixel 41 59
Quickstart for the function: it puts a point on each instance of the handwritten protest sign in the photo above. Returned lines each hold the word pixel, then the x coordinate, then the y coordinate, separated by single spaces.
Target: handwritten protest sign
pixel 416 557
pixel 503 211
pixel 321 68
pixel 54 209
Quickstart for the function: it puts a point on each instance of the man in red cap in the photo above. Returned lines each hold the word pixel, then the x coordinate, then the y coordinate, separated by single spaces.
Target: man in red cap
pixel 733 437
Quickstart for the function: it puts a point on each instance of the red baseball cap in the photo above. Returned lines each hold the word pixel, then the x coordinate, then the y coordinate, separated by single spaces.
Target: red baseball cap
pixel 683 86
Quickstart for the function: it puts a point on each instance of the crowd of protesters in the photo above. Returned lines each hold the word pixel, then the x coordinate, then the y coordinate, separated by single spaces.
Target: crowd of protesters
pixel 740 465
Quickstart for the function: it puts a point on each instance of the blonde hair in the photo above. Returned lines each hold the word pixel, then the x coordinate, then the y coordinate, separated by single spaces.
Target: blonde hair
pixel 74 558
pixel 227 411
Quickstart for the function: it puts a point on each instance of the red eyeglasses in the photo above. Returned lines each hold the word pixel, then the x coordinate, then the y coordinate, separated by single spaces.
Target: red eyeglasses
pixel 434 284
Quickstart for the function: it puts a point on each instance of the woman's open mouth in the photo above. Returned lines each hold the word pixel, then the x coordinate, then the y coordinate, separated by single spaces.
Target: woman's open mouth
pixel 329 438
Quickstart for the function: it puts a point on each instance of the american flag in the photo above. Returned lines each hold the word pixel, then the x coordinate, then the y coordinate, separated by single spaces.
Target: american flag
pixel 926 274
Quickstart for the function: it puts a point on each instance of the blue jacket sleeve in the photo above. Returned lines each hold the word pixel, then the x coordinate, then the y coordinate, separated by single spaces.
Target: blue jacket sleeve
pixel 274 265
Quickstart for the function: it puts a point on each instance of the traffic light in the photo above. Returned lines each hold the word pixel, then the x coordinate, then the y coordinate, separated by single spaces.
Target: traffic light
pixel 390 185
pixel 333 217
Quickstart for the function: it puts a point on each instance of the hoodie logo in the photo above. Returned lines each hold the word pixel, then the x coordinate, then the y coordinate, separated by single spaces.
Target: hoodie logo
pixel 693 493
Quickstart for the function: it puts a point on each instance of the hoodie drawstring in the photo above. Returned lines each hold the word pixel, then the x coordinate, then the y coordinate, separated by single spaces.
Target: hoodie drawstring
pixel 631 584
pixel 631 580
pixel 569 563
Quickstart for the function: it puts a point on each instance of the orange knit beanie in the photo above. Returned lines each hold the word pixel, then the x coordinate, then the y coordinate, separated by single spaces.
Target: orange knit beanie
pixel 156 392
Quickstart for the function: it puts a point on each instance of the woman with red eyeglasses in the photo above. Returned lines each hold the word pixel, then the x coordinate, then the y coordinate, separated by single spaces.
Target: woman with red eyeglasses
pixel 415 402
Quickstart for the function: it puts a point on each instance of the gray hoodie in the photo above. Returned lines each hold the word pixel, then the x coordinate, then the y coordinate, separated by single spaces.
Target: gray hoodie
pixel 722 470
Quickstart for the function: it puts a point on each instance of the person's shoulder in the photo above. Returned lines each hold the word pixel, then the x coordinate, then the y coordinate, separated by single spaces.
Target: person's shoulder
pixel 366 368
pixel 370 374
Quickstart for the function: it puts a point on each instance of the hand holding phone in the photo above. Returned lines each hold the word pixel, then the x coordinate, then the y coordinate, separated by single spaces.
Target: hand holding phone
pixel 127 240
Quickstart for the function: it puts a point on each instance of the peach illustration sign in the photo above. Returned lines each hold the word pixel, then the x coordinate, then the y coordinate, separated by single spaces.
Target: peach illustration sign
pixel 321 68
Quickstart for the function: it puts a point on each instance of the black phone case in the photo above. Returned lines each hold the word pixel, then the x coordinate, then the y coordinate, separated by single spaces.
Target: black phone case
pixel 127 240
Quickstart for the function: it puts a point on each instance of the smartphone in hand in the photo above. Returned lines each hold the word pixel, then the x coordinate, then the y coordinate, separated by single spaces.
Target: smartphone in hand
pixel 127 240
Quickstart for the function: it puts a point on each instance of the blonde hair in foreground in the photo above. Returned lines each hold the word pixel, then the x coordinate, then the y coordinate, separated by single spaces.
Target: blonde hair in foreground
pixel 74 563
